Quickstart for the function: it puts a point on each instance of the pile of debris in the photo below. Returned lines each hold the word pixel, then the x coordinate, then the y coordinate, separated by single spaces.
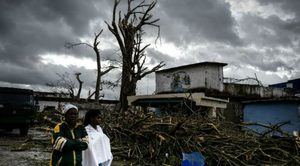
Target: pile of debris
pixel 49 117
pixel 146 139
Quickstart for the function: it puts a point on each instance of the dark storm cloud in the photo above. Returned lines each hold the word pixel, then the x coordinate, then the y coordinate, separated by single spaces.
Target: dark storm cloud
pixel 190 21
pixel 273 41
pixel 48 73
pixel 33 27
pixel 291 26
pixel 270 32
pixel 43 74
pixel 264 61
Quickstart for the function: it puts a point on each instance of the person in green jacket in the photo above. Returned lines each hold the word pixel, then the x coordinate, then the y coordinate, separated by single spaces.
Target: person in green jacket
pixel 68 139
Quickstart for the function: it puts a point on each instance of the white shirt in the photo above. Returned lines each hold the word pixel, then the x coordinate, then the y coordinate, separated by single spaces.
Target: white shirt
pixel 99 150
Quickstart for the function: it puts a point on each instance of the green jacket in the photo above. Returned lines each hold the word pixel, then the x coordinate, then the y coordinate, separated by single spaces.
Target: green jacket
pixel 68 145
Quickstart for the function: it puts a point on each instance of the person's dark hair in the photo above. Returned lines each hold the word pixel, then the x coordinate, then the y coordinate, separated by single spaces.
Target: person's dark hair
pixel 90 114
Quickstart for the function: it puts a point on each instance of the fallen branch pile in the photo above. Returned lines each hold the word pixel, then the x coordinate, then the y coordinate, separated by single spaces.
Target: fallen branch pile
pixel 145 139
pixel 150 140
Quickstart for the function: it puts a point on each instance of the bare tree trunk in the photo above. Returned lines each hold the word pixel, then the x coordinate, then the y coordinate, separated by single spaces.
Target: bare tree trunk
pixel 126 87
pixel 128 30
pixel 94 46
pixel 98 80
pixel 80 85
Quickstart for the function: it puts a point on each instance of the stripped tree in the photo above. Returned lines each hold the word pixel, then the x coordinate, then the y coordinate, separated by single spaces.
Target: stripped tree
pixel 66 85
pixel 95 47
pixel 128 30
pixel 80 82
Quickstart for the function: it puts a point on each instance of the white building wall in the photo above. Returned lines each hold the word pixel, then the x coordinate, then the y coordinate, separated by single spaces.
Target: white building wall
pixel 205 76
pixel 44 104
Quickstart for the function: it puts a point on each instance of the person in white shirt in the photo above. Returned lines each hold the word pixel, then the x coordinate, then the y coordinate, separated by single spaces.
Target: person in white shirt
pixel 99 150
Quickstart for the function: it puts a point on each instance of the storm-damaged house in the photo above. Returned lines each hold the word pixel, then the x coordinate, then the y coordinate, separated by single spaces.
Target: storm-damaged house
pixel 183 89
pixel 277 104
pixel 190 78
pixel 283 110
pixel 200 88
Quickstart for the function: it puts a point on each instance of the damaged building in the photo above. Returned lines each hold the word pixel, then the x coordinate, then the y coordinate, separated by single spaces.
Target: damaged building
pixel 183 89
pixel 200 88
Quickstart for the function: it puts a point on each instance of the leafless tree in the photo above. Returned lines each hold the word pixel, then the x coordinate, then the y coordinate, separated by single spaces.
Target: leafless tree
pixel 95 47
pixel 128 30
pixel 66 84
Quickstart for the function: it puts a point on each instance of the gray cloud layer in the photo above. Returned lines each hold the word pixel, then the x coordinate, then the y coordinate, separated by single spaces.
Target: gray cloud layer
pixel 189 21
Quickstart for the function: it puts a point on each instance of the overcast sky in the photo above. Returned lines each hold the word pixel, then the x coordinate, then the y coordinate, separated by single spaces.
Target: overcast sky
pixel 253 36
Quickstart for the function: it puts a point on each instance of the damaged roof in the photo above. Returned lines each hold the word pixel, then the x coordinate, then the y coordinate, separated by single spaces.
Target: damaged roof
pixel 192 65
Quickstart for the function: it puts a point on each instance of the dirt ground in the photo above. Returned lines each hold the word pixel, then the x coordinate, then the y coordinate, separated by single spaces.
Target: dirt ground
pixel 26 151
pixel 33 150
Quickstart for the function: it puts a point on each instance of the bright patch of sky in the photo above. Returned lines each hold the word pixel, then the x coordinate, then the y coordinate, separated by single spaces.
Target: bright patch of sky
pixel 247 72
pixel 67 60
pixel 252 6
pixel 8 84
pixel 166 48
